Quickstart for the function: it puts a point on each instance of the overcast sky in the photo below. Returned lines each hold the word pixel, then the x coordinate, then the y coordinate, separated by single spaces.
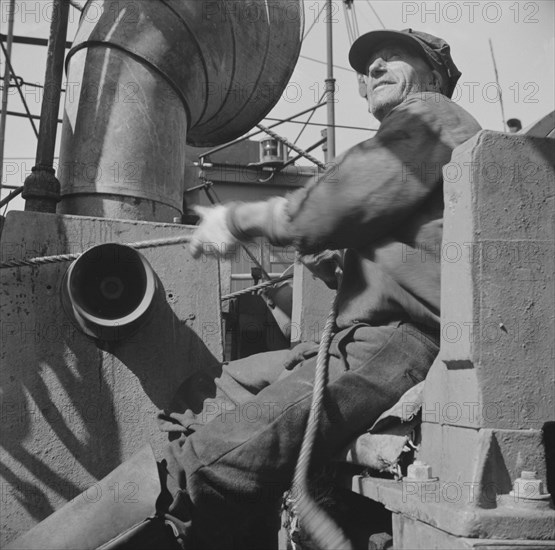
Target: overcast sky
pixel 522 33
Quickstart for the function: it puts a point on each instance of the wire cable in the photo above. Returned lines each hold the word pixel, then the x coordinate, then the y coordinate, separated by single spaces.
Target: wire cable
pixel 316 19
pixel 324 63
pixel 292 146
pixel 376 14
pixel 248 136
pixel 308 120
pixel 355 21
pixel 326 125
pixel 26 107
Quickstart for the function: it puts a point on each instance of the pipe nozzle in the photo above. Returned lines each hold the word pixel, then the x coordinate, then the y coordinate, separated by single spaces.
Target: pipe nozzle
pixel 108 291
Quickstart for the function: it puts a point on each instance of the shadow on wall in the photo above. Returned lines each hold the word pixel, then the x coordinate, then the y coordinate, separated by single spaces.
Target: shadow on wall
pixel 68 402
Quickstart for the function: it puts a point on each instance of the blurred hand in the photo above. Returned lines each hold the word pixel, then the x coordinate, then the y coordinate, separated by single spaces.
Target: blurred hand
pixel 212 236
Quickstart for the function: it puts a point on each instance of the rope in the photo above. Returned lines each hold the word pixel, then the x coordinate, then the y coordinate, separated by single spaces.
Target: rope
pixel 70 257
pixel 323 530
pixel 291 145
pixel 260 286
pixel 42 260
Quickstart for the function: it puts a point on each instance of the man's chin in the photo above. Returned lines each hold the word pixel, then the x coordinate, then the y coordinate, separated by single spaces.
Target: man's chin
pixel 380 109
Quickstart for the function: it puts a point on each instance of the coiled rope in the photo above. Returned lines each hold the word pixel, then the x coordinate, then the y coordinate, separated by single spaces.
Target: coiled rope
pixel 321 528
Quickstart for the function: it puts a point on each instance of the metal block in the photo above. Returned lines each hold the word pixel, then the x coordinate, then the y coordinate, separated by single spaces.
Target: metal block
pixel 410 534
pixel 73 408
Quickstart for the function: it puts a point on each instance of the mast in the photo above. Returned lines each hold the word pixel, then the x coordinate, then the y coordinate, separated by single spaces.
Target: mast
pixel 330 86
pixel 41 189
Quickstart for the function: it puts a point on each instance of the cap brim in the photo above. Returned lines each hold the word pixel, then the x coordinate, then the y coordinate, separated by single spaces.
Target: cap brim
pixel 365 45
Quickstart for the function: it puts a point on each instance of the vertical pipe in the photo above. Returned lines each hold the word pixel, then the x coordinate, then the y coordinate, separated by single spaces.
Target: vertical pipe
pixel 42 188
pixel 330 87
pixel 7 73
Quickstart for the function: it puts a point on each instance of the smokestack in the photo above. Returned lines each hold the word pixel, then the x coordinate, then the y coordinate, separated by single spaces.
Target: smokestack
pixel 144 78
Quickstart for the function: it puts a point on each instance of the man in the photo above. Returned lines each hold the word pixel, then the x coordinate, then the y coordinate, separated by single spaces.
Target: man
pixel 227 467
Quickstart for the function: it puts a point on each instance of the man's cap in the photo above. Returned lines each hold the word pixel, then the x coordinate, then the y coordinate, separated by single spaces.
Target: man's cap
pixel 434 50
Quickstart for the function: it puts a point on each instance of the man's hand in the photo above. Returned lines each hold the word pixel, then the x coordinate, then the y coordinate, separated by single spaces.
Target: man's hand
pixel 326 265
pixel 301 352
pixel 212 236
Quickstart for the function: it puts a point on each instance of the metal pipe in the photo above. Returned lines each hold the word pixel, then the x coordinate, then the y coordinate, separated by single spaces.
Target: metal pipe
pixel 30 41
pixel 154 75
pixel 28 116
pixel 109 291
pixel 7 72
pixel 330 87
pixel 41 189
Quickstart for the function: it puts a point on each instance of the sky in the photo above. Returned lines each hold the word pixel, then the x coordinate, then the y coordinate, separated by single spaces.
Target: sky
pixel 521 32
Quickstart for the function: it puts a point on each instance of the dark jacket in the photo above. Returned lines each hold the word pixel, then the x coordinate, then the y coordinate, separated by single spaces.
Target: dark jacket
pixel 383 202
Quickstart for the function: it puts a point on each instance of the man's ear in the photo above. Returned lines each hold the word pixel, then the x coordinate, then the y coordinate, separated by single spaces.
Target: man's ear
pixel 437 81
pixel 362 89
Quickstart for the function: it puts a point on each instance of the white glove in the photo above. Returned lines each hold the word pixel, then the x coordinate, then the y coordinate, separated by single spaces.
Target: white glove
pixel 212 236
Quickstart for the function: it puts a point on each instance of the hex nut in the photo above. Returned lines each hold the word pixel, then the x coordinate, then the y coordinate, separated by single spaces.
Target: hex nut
pixel 419 471
pixel 528 487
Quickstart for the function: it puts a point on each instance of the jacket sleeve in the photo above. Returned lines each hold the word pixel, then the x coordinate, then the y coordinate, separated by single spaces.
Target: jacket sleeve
pixel 375 185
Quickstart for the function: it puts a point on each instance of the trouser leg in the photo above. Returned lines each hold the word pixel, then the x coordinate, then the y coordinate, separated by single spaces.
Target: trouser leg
pixel 237 465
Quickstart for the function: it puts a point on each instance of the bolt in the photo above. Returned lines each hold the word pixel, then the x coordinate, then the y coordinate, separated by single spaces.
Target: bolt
pixel 419 471
pixel 528 487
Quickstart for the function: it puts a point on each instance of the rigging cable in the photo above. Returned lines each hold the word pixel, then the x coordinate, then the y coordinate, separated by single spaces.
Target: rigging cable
pixel 22 96
pixel 350 30
pixel 292 146
pixel 316 19
pixel 498 85
pixel 376 14
pixel 248 136
pixel 325 125
pixel 324 63
pixel 308 120
pixel 355 21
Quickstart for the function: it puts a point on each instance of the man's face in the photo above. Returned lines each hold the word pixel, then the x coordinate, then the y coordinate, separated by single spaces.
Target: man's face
pixel 393 72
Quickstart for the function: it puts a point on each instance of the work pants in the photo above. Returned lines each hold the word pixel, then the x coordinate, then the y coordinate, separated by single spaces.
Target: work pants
pixel 229 464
